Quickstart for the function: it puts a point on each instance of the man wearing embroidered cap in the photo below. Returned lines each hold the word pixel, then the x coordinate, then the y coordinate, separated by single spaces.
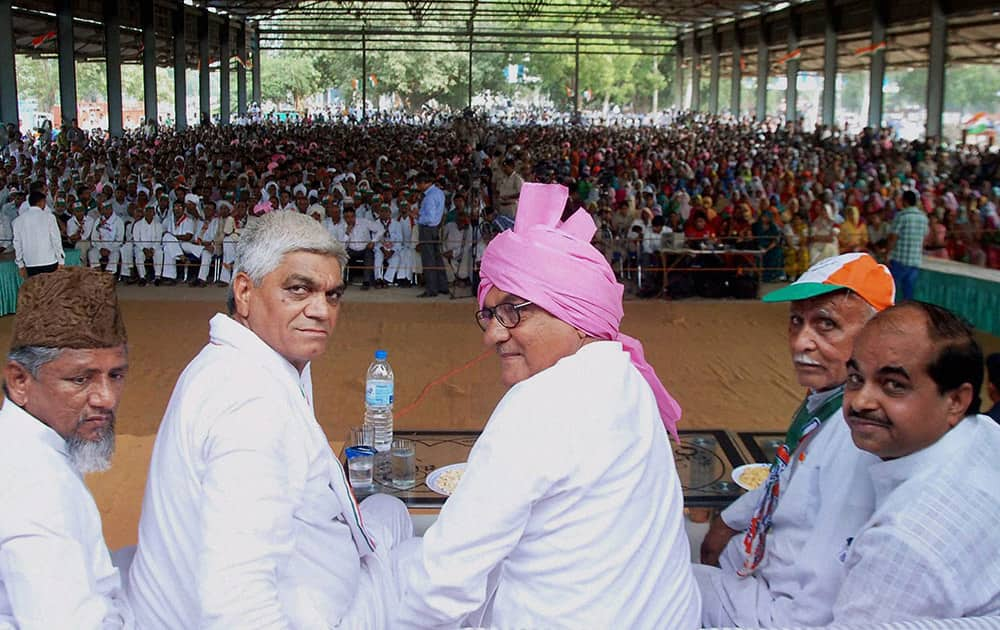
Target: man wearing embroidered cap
pixel 63 380
pixel 572 482
pixel 248 520
pixel 778 546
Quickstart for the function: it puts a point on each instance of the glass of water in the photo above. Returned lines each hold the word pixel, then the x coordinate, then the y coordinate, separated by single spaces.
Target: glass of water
pixel 404 463
pixel 361 457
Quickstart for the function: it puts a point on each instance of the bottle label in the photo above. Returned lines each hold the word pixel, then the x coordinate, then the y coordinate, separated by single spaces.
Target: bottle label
pixel 378 393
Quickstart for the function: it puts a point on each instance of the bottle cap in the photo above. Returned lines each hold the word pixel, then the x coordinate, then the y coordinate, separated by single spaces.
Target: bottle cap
pixel 380 355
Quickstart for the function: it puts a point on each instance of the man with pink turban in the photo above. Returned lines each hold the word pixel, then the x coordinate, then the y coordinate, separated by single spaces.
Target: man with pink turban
pixel 569 513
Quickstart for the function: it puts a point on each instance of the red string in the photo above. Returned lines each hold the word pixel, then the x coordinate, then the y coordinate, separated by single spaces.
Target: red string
pixel 441 379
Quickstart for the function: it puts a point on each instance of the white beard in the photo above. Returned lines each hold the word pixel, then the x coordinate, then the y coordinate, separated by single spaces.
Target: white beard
pixel 92 456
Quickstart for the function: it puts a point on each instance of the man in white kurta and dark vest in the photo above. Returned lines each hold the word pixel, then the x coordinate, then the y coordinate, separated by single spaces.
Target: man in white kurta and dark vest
pixel 570 513
pixel 64 378
pixel 780 544
pixel 912 399
pixel 248 520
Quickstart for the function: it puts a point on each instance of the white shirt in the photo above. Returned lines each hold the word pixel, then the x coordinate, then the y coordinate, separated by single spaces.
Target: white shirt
pixel 395 237
pixel 571 504
pixel 357 237
pixel 37 241
pixel 147 234
pixel 456 240
pixel 826 496
pixel 55 569
pixel 931 547
pixel 247 519
pixel 108 232
pixel 84 228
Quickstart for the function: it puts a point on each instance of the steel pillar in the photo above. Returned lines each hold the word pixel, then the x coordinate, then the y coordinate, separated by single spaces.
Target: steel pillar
pixel 255 70
pixel 679 79
pixel 149 98
pixel 67 60
pixel 180 67
pixel 576 79
pixel 830 66
pixel 713 77
pixel 737 78
pixel 695 72
pixel 8 73
pixel 113 65
pixel 877 76
pixel 792 71
pixel 204 71
pixel 241 71
pixel 224 61
pixel 935 70
pixel 364 75
pixel 763 61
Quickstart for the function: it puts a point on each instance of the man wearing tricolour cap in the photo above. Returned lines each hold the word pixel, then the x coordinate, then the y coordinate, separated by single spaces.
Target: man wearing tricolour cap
pixel 779 547
pixel 63 380
pixel 569 513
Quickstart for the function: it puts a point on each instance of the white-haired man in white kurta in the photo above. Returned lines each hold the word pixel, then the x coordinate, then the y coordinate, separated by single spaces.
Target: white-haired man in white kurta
pixel 570 513
pixel 248 520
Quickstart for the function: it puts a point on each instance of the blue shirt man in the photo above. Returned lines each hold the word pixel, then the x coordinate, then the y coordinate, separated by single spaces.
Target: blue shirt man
pixel 432 207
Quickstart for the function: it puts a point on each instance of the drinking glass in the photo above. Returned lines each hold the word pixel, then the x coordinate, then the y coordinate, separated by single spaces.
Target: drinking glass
pixel 361 456
pixel 404 464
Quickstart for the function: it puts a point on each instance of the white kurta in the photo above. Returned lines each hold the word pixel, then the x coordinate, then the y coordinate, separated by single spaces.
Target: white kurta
pixel 826 496
pixel 571 506
pixel 247 519
pixel 931 547
pixel 55 569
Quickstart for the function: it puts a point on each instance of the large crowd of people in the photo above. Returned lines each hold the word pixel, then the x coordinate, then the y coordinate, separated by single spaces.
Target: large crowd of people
pixel 877 506
pixel 153 202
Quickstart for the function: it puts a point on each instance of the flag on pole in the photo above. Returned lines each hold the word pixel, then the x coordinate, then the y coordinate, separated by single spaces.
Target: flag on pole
pixel 372 80
pixel 354 84
pixel 794 54
pixel 870 49
pixel 569 92
pixel 41 39
pixel 975 118
pixel 588 95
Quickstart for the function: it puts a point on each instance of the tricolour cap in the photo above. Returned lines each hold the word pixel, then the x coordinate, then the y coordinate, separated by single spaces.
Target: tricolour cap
pixel 859 273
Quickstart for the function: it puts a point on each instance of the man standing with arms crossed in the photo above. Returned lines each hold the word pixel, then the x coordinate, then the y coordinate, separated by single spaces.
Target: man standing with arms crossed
pixel 778 545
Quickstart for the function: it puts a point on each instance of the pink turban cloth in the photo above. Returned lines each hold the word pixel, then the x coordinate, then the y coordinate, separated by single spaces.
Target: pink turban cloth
pixel 552 264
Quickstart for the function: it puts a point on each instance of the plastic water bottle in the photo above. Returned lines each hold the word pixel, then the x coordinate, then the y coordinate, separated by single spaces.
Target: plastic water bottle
pixel 379 396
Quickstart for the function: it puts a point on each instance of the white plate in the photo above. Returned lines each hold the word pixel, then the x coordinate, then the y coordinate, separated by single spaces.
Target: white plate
pixel 432 479
pixel 737 472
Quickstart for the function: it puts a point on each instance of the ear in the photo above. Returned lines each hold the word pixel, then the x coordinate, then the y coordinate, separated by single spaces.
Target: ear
pixel 17 379
pixel 242 290
pixel 958 401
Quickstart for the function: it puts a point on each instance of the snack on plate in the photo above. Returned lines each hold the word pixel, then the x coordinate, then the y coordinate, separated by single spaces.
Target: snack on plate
pixel 753 477
pixel 448 480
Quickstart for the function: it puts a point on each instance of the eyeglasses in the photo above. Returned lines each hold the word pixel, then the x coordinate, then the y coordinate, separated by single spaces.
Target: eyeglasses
pixel 506 313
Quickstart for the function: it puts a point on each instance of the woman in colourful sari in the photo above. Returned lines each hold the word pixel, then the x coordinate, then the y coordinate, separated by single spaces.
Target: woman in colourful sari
pixel 853 232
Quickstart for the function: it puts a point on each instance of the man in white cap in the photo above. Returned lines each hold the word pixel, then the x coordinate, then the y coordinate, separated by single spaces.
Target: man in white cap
pixel 777 546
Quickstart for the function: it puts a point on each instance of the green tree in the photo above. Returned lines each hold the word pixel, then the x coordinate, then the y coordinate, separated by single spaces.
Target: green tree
pixel 285 75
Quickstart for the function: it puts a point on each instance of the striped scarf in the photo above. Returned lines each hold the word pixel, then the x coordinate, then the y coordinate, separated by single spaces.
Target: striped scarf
pixel 804 424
